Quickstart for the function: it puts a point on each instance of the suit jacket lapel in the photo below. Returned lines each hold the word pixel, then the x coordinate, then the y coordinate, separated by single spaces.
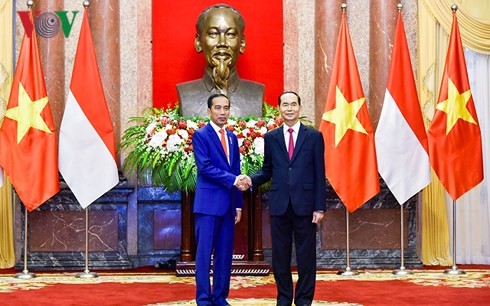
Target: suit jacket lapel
pixel 231 147
pixel 216 141
pixel 280 139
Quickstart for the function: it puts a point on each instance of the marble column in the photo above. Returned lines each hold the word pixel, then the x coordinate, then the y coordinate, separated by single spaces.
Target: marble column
pixel 104 23
pixel 383 14
pixel 52 52
pixel 290 32
pixel 327 23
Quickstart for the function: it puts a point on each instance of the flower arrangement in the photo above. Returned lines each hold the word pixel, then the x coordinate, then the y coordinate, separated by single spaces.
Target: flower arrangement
pixel 161 143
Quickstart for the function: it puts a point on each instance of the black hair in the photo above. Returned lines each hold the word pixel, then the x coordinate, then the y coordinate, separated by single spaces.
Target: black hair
pixel 211 97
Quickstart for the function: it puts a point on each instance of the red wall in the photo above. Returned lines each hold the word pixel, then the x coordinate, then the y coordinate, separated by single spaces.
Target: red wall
pixel 175 59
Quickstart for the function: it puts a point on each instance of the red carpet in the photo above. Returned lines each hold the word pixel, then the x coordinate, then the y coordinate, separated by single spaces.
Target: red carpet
pixel 425 287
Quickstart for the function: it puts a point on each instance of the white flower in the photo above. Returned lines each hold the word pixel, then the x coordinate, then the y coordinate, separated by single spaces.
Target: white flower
pixel 192 124
pixel 259 145
pixel 151 127
pixel 174 142
pixel 231 122
pixel 246 132
pixel 157 139
pixel 263 130
pixel 240 141
pixel 251 123
pixel 183 133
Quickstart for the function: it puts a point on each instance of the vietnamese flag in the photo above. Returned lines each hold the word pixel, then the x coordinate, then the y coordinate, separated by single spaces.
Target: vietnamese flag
pixel 455 145
pixel 87 149
pixel 27 136
pixel 350 157
pixel 401 140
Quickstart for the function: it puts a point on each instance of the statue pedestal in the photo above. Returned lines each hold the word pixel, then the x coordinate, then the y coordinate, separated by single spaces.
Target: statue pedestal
pixel 248 258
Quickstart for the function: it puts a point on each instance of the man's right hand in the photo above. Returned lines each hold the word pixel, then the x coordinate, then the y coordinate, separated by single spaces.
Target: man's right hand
pixel 244 182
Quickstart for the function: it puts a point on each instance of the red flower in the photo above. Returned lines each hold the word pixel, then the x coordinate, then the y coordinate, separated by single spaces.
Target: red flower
pixel 242 124
pixel 182 124
pixel 201 123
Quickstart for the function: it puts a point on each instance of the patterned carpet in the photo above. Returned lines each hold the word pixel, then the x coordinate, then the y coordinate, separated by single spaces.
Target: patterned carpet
pixel 370 287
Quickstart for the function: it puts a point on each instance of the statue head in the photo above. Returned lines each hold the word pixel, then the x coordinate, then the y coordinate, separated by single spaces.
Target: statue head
pixel 220 36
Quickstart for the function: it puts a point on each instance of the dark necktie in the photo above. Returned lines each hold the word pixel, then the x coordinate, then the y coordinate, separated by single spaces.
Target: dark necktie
pixel 291 144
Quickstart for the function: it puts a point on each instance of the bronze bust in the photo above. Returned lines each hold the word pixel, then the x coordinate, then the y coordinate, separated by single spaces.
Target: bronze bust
pixel 220 36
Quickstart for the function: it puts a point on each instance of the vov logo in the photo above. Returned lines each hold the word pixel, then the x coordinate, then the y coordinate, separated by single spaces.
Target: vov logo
pixel 47 24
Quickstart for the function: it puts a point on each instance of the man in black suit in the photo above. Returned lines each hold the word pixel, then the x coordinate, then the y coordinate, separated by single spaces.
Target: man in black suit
pixel 294 160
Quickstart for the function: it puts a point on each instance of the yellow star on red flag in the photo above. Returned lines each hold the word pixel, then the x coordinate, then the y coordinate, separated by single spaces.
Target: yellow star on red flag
pixel 344 116
pixel 28 114
pixel 455 106
pixel 28 150
pixel 455 145
pixel 350 157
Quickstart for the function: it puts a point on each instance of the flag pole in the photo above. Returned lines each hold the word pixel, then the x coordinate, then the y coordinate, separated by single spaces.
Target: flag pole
pixel 25 274
pixel 86 273
pixel 454 270
pixel 348 271
pixel 401 271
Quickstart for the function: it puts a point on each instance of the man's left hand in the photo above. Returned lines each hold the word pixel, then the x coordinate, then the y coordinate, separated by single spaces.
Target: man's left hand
pixel 317 216
pixel 238 216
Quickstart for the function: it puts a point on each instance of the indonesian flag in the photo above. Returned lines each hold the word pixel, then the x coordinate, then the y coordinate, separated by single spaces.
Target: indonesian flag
pixel 401 141
pixel 27 135
pixel 87 149
pixel 350 157
pixel 455 145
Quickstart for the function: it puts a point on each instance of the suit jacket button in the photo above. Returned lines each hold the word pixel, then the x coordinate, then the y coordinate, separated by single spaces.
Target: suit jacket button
pixel 290 168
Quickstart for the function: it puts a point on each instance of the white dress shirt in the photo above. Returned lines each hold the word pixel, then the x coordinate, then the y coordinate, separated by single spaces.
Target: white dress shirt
pixel 295 128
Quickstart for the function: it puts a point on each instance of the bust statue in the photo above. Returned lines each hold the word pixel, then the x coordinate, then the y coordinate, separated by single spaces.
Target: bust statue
pixel 220 37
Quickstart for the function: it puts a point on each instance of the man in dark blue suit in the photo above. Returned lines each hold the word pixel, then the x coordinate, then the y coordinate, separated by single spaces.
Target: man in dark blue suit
pixel 294 160
pixel 217 203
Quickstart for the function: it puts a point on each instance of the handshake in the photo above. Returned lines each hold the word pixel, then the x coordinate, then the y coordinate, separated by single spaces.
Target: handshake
pixel 244 182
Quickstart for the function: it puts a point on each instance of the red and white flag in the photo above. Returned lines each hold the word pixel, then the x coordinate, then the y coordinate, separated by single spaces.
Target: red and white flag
pixel 87 154
pixel 350 157
pixel 455 144
pixel 27 135
pixel 401 140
